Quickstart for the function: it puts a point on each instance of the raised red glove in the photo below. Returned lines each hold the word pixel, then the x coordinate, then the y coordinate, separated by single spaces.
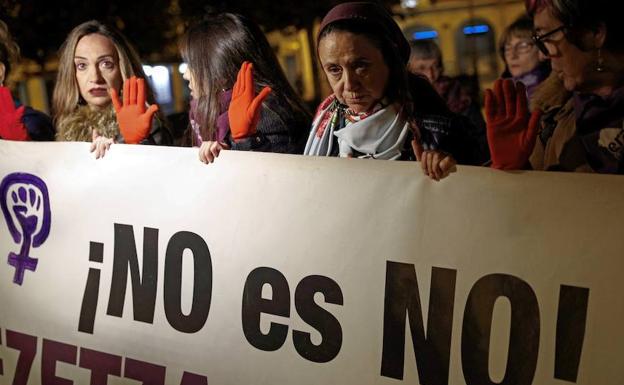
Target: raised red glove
pixel 244 110
pixel 511 131
pixel 135 123
pixel 11 126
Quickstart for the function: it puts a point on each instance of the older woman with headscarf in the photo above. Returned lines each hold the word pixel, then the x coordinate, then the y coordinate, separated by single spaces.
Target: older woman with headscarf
pixel 377 109
pixel 578 118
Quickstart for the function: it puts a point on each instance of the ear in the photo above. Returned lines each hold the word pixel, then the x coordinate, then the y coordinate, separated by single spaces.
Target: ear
pixel 2 73
pixel 600 35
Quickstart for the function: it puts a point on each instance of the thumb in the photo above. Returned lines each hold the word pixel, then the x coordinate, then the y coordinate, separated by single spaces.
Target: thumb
pixel 533 128
pixel 417 148
pixel 115 99
pixel 255 104
pixel 94 136
pixel 20 110
pixel 490 105
pixel 448 165
pixel 151 110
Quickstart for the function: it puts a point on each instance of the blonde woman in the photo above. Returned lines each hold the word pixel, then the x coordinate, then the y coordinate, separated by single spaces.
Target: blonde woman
pixel 95 61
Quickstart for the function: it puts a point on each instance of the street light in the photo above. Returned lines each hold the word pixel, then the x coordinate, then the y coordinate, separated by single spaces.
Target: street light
pixel 409 4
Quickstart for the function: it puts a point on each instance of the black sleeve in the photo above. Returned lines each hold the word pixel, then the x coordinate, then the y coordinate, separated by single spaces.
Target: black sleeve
pixel 38 125
pixel 160 134
pixel 278 131
pixel 451 133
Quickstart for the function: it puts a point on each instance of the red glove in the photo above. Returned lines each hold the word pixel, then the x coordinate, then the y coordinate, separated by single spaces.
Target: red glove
pixel 511 131
pixel 11 126
pixel 244 110
pixel 135 123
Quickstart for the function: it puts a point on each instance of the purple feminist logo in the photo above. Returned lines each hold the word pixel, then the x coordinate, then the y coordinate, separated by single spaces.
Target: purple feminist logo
pixel 26 208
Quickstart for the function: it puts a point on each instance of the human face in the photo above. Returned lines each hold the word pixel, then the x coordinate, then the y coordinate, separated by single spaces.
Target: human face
pixel 97 69
pixel 428 67
pixel 355 69
pixel 573 65
pixel 521 55
pixel 188 76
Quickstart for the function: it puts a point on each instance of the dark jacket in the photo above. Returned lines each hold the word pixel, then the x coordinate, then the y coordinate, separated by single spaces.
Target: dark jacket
pixel 280 129
pixel 38 125
pixel 461 94
pixel 442 129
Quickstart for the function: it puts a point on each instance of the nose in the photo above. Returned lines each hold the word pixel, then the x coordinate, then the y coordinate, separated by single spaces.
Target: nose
pixel 350 81
pixel 430 74
pixel 94 75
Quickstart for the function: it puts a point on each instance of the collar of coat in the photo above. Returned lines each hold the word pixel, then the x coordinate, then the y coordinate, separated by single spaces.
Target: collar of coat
pixel 79 125
pixel 550 94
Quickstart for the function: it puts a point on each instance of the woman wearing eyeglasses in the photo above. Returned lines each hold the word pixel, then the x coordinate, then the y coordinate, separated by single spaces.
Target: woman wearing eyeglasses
pixel 523 62
pixel 580 131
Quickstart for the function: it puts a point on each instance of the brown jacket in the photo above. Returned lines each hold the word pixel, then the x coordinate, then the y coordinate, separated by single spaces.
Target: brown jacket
pixel 557 131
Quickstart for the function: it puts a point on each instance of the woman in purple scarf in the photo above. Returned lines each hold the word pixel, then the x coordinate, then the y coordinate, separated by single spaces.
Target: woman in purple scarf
pixel 523 62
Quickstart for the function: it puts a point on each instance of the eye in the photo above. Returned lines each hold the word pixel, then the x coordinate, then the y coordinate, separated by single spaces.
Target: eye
pixel 107 64
pixel 334 70
pixel 361 67
pixel 80 66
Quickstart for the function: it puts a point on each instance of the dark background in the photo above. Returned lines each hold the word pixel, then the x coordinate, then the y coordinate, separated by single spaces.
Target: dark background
pixel 152 26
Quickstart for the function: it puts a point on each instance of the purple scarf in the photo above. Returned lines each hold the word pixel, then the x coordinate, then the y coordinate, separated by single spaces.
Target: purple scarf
pixel 533 78
pixel 223 122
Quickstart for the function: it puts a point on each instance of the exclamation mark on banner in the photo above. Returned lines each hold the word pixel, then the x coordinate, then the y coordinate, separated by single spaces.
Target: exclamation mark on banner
pixel 571 321
pixel 1 367
pixel 92 289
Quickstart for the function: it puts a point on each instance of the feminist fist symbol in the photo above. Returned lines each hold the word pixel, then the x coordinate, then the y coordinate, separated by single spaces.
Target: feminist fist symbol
pixel 26 208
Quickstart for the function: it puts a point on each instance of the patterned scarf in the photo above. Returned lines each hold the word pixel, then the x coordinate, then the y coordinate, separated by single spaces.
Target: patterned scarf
pixel 379 133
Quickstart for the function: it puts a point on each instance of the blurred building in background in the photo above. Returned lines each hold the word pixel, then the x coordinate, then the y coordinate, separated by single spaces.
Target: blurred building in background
pixel 467 32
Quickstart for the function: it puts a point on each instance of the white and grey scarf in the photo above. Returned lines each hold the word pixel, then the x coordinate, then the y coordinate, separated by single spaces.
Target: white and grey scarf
pixel 379 135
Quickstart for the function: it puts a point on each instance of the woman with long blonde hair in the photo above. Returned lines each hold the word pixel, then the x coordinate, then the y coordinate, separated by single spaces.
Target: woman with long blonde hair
pixel 95 59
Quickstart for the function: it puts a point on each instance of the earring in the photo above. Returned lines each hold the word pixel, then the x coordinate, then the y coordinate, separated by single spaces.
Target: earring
pixel 600 64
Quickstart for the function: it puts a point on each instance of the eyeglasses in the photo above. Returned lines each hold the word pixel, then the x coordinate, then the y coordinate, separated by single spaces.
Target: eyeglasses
pixel 539 39
pixel 520 48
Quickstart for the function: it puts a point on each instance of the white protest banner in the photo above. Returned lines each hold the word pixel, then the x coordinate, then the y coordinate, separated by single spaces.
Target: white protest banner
pixel 150 267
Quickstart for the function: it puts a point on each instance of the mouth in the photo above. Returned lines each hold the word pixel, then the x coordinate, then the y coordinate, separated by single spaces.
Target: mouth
pixel 98 91
pixel 355 99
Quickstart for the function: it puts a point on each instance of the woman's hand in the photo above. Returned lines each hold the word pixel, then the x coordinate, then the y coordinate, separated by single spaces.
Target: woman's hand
pixel 435 164
pixel 511 131
pixel 135 123
pixel 11 126
pixel 244 110
pixel 209 151
pixel 100 144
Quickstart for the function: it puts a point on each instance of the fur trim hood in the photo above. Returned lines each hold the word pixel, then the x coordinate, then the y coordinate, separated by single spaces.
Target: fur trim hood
pixel 550 94
pixel 78 126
